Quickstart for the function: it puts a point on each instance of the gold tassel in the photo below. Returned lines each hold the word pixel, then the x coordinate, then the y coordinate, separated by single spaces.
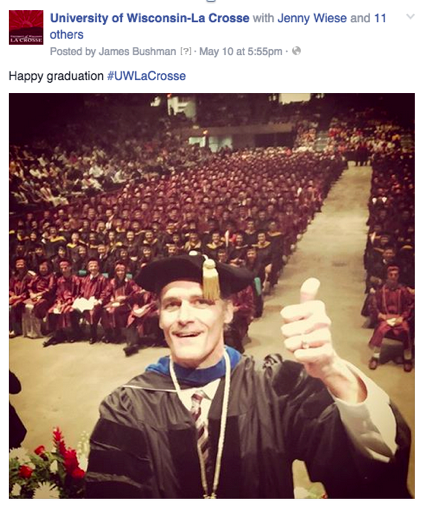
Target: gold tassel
pixel 210 281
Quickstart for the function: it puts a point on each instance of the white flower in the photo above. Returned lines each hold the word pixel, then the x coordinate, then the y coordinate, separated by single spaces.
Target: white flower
pixel 53 466
pixel 45 491
pixel 83 462
pixel 16 490
pixel 301 493
pixel 21 454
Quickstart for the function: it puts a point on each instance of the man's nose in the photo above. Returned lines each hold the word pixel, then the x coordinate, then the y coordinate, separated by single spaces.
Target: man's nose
pixel 185 312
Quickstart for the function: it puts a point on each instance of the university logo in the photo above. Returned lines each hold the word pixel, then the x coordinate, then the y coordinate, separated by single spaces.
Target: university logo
pixel 26 28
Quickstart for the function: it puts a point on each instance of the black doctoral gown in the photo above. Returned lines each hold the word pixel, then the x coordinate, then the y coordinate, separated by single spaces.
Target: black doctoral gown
pixel 144 444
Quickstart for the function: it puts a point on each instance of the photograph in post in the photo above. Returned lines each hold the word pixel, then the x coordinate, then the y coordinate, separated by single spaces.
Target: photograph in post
pixel 212 295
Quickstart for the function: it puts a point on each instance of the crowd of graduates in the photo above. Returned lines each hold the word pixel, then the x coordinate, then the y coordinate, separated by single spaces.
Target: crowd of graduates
pixel 389 257
pixel 59 172
pixel 95 204
pixel 78 264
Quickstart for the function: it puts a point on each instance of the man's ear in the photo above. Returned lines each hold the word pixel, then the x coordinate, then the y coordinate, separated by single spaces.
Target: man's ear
pixel 228 311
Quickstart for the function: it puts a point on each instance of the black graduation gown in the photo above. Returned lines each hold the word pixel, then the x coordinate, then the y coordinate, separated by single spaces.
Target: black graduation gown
pixel 144 444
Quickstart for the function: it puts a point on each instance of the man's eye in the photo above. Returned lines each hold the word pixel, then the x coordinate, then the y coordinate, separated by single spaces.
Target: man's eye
pixel 203 303
pixel 169 306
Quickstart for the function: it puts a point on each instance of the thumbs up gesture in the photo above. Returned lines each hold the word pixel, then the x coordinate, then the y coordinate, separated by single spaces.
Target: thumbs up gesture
pixel 307 330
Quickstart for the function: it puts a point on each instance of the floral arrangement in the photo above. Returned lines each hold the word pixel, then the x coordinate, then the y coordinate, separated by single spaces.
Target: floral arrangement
pixel 55 474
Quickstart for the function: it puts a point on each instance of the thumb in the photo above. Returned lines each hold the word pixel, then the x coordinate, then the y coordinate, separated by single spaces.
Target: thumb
pixel 309 290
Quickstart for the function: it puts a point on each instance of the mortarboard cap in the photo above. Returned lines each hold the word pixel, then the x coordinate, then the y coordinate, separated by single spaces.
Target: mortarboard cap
pixel 217 279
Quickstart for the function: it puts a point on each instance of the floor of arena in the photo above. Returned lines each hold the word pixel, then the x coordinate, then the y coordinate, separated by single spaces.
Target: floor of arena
pixel 63 385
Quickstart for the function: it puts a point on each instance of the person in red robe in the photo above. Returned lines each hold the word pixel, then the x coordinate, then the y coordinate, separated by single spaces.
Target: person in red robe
pixel 61 315
pixel 142 322
pixel 41 296
pixel 18 293
pixel 244 310
pixel 97 286
pixel 393 304
pixel 116 313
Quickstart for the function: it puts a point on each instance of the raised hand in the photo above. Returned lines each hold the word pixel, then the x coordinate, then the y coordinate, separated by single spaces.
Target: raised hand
pixel 307 329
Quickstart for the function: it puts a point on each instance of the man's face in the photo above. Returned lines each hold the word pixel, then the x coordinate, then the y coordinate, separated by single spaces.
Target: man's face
pixel 43 269
pixel 251 254
pixel 20 265
pixel 215 237
pixel 171 249
pixel 65 268
pixel 272 226
pixel 193 326
pixel 388 255
pixel 393 277
pixel 93 267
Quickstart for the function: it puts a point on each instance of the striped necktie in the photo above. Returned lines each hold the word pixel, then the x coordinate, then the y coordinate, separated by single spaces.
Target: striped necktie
pixel 202 432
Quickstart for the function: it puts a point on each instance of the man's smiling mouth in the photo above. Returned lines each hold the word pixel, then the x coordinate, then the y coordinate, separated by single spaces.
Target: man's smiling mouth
pixel 184 334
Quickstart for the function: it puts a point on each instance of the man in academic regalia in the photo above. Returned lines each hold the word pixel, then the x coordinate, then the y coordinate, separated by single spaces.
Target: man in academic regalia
pixel 53 242
pixel 243 313
pixel 18 293
pixel 209 422
pixel 41 296
pixel 116 312
pixel 393 304
pixel 62 318
pixel 216 242
pixel 97 286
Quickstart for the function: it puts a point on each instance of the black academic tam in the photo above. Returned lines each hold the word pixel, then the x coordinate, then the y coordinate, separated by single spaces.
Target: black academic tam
pixel 144 444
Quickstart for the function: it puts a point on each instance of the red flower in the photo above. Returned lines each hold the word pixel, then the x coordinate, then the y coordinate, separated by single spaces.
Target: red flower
pixel 70 461
pixel 57 435
pixel 25 472
pixel 59 441
pixel 78 473
pixel 40 450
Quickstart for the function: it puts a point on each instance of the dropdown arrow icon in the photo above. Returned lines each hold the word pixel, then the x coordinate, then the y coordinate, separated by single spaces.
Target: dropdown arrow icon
pixel 410 16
